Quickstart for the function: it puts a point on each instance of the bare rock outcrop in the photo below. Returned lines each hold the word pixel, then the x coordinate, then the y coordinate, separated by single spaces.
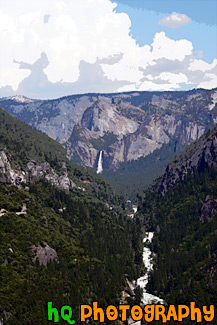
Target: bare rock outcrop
pixel 44 169
pixel 198 156
pixel 15 175
pixel 44 254
pixel 125 126
pixel 208 208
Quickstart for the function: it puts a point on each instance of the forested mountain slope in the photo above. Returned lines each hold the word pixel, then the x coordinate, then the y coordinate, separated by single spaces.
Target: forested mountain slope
pixel 133 130
pixel 182 211
pixel 63 234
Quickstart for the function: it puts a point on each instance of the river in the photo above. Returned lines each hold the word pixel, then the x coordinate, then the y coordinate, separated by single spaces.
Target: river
pixel 147 298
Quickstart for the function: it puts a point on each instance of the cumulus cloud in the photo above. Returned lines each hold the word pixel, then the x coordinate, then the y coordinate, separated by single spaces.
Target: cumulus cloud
pixel 210 82
pixel 175 20
pixel 139 58
pixel 200 65
pixel 68 31
pixel 91 79
pixel 55 48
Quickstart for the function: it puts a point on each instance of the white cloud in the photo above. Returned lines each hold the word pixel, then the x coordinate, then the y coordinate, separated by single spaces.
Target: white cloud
pixel 140 58
pixel 175 20
pixel 164 47
pixel 76 31
pixel 210 82
pixel 200 65
pixel 173 78
pixel 149 86
pixel 88 47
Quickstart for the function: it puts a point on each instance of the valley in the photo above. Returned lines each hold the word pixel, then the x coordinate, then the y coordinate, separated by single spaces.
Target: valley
pixel 51 210
pixel 68 236
pixel 139 133
pixel 108 162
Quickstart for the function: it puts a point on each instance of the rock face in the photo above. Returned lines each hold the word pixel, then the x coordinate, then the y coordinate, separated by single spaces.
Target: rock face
pixel 17 176
pixel 208 208
pixel 13 175
pixel 39 170
pixel 125 126
pixel 44 254
pixel 198 156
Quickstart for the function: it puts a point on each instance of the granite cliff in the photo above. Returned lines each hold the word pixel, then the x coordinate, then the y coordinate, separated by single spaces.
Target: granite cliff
pixel 124 126
pixel 200 155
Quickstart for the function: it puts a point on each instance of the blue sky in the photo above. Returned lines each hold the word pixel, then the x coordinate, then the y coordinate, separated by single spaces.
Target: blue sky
pixel 53 48
pixel 202 31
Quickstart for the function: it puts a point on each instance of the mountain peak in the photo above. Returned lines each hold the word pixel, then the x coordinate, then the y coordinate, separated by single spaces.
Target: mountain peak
pixel 21 99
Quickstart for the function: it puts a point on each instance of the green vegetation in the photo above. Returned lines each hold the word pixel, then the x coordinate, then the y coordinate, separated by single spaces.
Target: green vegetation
pixel 102 143
pixel 94 247
pixel 24 143
pixel 182 213
pixel 184 244
pixel 96 243
pixel 133 177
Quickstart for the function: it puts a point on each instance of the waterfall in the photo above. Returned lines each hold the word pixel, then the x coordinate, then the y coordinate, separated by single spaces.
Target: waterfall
pixel 99 166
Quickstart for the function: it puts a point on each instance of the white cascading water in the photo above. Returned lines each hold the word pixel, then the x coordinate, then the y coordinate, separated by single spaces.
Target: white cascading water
pixel 147 298
pixel 99 166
